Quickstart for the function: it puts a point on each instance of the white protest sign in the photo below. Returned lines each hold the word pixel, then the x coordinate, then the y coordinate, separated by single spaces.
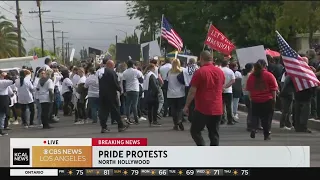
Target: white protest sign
pixel 251 55
pixel 38 63
pixel 154 49
pixel 72 54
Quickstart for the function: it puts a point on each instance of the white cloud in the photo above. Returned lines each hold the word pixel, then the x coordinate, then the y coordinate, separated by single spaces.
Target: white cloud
pixel 88 23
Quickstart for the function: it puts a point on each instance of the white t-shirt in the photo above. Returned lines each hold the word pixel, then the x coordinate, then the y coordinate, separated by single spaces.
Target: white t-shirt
pixel 35 84
pixel 237 75
pixel 100 72
pixel 46 67
pixel 131 77
pixel 283 78
pixel 92 85
pixel 25 92
pixel 65 84
pixel 229 75
pixel 75 79
pixel 164 71
pixel 57 78
pixel 175 88
pixel 156 72
pixel 120 80
pixel 43 92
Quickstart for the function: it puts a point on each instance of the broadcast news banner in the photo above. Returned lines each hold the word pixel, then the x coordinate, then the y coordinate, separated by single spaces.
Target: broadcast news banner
pixel 132 157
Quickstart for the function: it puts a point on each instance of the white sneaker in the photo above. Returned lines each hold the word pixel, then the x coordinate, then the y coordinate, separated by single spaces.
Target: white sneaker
pixel 40 126
pixel 79 122
pixel 286 128
pixel 142 119
pixel 55 118
pixel 86 121
pixel 26 127
pixel 236 116
pixel 16 122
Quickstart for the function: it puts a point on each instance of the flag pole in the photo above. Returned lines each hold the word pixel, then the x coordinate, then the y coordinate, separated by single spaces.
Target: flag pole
pixel 161 30
pixel 207 33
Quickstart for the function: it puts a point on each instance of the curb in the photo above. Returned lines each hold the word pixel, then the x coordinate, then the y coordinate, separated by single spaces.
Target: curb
pixel 312 123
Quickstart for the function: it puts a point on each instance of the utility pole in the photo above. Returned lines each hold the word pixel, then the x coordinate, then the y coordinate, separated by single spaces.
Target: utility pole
pixel 53 35
pixel 39 12
pixel 66 53
pixel 62 45
pixel 116 43
pixel 19 28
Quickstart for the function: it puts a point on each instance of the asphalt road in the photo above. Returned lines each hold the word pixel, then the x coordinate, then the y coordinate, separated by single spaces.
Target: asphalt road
pixel 164 136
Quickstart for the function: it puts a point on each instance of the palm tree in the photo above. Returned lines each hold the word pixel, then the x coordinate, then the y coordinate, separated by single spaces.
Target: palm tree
pixel 9 39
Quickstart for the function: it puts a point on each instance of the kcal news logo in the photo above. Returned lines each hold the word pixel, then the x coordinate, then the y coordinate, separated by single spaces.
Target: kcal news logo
pixel 21 156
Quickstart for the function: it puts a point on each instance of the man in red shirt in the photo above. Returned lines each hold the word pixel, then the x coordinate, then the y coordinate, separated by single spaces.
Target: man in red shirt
pixel 206 88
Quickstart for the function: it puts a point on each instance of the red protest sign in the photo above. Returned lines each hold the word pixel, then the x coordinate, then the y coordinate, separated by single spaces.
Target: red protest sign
pixel 217 41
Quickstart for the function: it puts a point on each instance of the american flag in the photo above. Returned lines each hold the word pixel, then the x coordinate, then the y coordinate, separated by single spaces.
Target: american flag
pixel 299 71
pixel 170 35
pixel 35 56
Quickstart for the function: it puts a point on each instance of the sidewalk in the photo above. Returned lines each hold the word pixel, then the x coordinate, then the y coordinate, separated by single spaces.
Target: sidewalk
pixel 312 124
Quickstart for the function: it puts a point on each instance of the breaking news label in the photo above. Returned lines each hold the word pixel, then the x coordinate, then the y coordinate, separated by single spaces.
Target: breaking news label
pixel 130 153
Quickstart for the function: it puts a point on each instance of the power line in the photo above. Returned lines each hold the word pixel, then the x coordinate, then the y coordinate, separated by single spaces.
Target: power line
pixel 29 33
pixel 93 22
pixel 7 10
pixel 78 19
pixel 85 13
pixel 8 4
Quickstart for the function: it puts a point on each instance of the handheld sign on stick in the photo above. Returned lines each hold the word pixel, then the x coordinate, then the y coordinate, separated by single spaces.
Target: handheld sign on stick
pixel 176 55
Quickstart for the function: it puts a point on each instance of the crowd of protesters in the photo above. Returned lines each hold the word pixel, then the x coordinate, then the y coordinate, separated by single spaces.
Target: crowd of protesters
pixel 207 93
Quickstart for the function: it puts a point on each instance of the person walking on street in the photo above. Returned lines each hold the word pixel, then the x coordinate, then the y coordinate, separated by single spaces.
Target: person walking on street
pixel 227 93
pixel 108 99
pixel 206 90
pixel 262 87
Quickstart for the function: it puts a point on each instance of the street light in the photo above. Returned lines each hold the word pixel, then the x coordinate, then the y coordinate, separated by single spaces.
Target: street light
pixel 123 32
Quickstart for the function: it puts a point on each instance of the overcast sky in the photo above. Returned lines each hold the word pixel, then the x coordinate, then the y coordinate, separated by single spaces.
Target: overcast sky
pixel 88 23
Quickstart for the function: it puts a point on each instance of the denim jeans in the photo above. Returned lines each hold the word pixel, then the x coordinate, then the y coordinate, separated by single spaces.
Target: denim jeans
pixel 161 101
pixel 132 102
pixel 235 103
pixel 93 103
pixel 2 118
pixel 38 106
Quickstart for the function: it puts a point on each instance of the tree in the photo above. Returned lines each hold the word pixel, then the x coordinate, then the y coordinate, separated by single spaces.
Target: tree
pixel 112 50
pixel 133 39
pixel 299 17
pixel 145 36
pixel 259 21
pixel 9 39
pixel 38 51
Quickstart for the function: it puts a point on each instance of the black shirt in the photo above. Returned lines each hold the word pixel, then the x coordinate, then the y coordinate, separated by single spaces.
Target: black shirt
pixel 108 84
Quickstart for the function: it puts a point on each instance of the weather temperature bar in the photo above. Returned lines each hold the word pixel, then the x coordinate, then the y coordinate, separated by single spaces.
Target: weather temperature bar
pixel 154 172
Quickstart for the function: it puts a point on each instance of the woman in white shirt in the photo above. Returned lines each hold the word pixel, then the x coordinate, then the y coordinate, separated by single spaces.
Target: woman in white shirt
pixel 175 94
pixel 36 97
pixel 93 94
pixel 66 91
pixel 57 83
pixel 121 68
pixel 80 111
pixel 151 89
pixel 45 90
pixel 236 88
pixel 25 90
